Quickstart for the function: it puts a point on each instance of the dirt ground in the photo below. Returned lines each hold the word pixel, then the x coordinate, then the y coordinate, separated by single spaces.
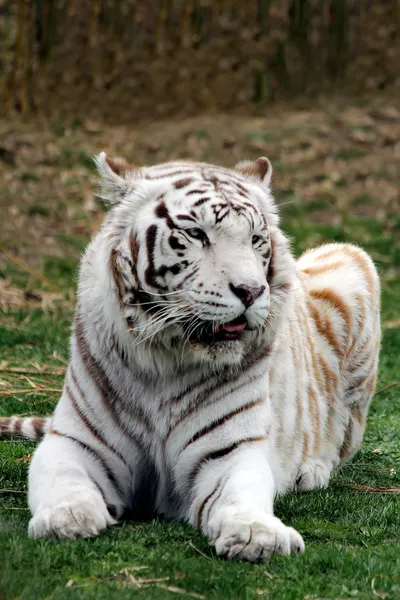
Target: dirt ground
pixel 335 158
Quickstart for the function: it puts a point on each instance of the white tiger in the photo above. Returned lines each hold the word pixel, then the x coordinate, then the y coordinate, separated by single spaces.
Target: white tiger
pixel 209 371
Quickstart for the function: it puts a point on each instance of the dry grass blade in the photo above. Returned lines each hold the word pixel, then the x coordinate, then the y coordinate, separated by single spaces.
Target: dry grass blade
pixel 35 388
pixel 373 490
pixel 133 581
pixel 5 383
pixel 179 590
pixel 138 582
pixel 376 592
pixel 38 390
pixel 5 491
pixel 198 550
pixel 32 271
pixel 394 324
pixel 33 385
pixel 71 582
pixel 387 387
pixel 24 459
pixel 22 370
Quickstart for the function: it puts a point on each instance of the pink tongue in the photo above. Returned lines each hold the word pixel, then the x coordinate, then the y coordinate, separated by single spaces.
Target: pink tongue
pixel 231 327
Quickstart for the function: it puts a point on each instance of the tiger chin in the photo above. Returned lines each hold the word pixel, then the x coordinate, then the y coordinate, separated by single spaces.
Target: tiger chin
pixel 210 370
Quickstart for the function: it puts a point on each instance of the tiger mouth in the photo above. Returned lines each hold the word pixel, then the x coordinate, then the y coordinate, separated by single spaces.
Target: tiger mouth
pixel 210 333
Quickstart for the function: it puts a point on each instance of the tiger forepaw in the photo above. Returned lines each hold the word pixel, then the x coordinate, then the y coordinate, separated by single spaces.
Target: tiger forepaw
pixel 71 519
pixel 249 537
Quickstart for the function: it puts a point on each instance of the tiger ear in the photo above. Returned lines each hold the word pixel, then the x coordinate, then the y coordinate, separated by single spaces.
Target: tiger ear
pixel 260 169
pixel 117 177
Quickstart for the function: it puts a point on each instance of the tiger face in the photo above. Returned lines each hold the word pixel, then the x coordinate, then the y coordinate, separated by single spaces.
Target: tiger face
pixel 193 255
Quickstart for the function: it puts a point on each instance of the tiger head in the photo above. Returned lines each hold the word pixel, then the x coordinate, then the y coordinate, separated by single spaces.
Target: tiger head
pixel 199 265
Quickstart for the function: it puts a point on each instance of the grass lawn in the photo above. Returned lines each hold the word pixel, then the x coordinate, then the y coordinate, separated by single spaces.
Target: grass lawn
pixel 336 179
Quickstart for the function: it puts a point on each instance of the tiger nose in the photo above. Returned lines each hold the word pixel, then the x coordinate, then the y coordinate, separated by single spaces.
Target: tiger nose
pixel 246 293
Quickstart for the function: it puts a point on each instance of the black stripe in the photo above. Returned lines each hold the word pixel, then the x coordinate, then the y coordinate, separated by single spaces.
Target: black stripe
pixel 93 430
pixel 38 424
pixel 150 272
pixel 249 205
pixel 219 382
pixel 134 249
pixel 161 212
pixel 109 397
pixel 185 218
pixel 181 183
pixel 201 201
pixel 4 426
pixel 199 402
pixel 96 456
pixel 188 276
pixel 216 499
pixel 17 426
pixel 171 174
pixel 348 438
pixel 118 280
pixel 356 383
pixel 271 266
pixel 191 192
pixel 218 422
pixel 217 454
pixel 204 503
pixel 175 243
pixel 115 346
pixel 243 189
pixel 176 399
pixel 267 253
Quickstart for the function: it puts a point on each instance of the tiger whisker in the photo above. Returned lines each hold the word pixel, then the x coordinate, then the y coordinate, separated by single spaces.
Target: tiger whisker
pixel 160 320
pixel 288 202
pixel 164 294
pixel 166 312
pixel 155 303
pixel 187 334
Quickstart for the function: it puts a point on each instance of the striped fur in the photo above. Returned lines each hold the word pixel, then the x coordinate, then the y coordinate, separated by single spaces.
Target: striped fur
pixel 209 371
pixel 30 428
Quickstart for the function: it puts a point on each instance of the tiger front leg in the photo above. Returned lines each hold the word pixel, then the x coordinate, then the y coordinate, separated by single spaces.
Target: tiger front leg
pixel 69 494
pixel 233 506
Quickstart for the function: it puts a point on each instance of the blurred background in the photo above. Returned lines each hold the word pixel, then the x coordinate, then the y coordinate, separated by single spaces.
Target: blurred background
pixel 124 61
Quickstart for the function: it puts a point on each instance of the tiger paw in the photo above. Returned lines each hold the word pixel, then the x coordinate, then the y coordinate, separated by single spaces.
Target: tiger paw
pixel 313 475
pixel 71 519
pixel 255 537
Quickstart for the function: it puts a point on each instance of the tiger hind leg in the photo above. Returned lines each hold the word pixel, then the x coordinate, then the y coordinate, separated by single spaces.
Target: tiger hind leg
pixel 316 471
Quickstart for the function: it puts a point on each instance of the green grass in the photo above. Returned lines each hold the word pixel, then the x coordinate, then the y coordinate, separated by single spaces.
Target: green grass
pixel 38 209
pixel 349 154
pixel 352 537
